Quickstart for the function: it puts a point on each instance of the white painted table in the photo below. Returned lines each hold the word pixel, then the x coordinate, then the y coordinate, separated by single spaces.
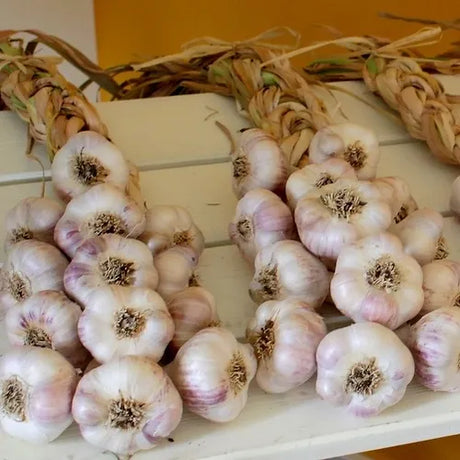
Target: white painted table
pixel 184 160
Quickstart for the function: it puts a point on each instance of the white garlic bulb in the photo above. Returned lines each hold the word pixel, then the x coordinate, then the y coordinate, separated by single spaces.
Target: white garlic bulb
pixel 103 209
pixel 192 309
pixel 435 344
pixel 121 321
pixel 441 285
pixel 420 233
pixel 287 269
pixel 356 144
pixel 31 266
pixel 261 218
pixel 48 319
pixel 168 226
pixel 258 162
pixel 36 390
pixel 212 372
pixel 109 260
pixel 126 405
pixel 87 159
pixel 32 218
pixel 454 200
pixel 285 335
pixel 339 214
pixel 364 367
pixel 376 281
pixel 315 176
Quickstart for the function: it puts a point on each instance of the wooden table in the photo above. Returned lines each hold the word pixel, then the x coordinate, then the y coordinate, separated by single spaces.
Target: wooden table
pixel 184 160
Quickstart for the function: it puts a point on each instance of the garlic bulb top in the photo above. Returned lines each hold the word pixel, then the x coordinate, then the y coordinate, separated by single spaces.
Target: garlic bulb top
pixel 126 405
pixel 454 200
pixel 315 176
pixel 287 269
pixel 87 159
pixel 364 367
pixel 376 281
pixel 435 344
pixel 109 260
pixel 168 226
pixel 285 335
pixel 339 214
pixel 356 144
pixel 212 372
pixel 261 218
pixel 31 266
pixel 36 390
pixel 32 218
pixel 103 209
pixel 121 321
pixel 258 162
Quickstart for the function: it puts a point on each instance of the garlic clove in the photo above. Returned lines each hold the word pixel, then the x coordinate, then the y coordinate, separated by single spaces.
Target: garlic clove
pixel 87 159
pixel 103 209
pixel 126 405
pixel 261 218
pixel 285 335
pixel 356 144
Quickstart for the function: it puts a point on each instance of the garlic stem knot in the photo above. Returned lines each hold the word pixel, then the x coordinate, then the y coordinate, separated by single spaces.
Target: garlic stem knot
pixel 13 399
pixel 237 373
pixel 194 280
pixel 117 271
pixel 244 228
pixel 401 215
pixel 126 413
pixel 264 342
pixel 355 155
pixel 268 279
pixel 182 238
pixel 324 179
pixel 88 170
pixel 105 222
pixel 38 338
pixel 442 251
pixel 343 203
pixel 384 274
pixel 128 323
pixel 240 167
pixel 20 234
pixel 364 378
pixel 18 287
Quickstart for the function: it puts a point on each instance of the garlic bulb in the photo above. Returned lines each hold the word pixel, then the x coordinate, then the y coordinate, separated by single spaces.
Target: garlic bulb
pixel 376 281
pixel 121 321
pixel 261 218
pixel 168 226
pixel 285 335
pixel 31 266
pixel 441 285
pixel 364 367
pixel 287 269
pixel 420 233
pixel 126 405
pixel 339 214
pixel 435 344
pixel 258 162
pixel 454 200
pixel 356 144
pixel 48 319
pixel 315 176
pixel 176 270
pixel 192 309
pixel 212 372
pixel 109 260
pixel 87 159
pixel 32 218
pixel 103 209
pixel 36 390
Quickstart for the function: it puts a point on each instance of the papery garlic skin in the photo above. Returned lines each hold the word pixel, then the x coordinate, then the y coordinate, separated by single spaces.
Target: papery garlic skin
pixel 258 162
pixel 103 209
pixel 261 218
pixel 109 260
pixel 364 367
pixel 441 285
pixel 420 233
pixel 435 344
pixel 32 218
pixel 48 319
pixel 285 335
pixel 375 280
pixel 87 159
pixel 454 200
pixel 287 269
pixel 121 321
pixel 169 226
pixel 31 266
pixel 133 188
pixel 212 372
pixel 339 214
pixel 126 405
pixel 354 143
pixel 36 390
pixel 315 176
